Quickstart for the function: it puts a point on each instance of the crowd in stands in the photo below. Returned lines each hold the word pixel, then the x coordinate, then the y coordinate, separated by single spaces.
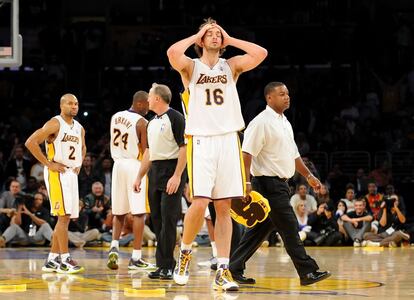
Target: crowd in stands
pixel 351 92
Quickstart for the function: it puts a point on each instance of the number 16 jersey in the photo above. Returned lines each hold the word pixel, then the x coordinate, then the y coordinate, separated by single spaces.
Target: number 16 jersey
pixel 213 107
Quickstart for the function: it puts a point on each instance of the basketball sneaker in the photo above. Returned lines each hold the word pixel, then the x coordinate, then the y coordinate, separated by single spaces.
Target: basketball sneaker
pixel 69 266
pixel 224 281
pixel 52 265
pixel 140 264
pixel 113 257
pixel 181 272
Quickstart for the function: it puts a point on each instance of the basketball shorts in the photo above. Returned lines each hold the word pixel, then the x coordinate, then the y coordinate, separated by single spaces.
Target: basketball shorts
pixel 63 192
pixel 124 198
pixel 215 166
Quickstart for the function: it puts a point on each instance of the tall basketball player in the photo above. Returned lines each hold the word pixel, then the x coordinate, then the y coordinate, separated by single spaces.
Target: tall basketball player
pixel 213 150
pixel 128 143
pixel 65 150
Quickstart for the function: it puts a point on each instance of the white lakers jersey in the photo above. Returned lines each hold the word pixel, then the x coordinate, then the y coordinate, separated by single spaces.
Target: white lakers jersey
pixel 67 146
pixel 213 107
pixel 124 139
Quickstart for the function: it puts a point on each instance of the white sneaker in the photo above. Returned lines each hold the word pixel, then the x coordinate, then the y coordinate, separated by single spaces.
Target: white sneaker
pixel 52 265
pixel 224 281
pixel 373 244
pixel 181 272
pixel 69 267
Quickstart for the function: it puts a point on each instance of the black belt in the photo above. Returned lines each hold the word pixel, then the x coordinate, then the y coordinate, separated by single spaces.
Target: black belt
pixel 274 177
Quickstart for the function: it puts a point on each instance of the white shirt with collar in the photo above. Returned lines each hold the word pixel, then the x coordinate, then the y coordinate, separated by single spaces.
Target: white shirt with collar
pixel 269 139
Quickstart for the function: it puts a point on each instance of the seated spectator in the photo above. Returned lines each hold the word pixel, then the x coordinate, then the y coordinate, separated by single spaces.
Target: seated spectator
pixel 323 195
pixel 391 220
pixel 302 194
pixel 31 186
pixel 29 226
pixel 357 222
pixel 8 204
pixel 18 166
pixel 382 175
pixel 349 199
pixel 302 216
pixel 127 236
pixel 373 200
pixel 341 209
pixel 78 233
pixel 360 183
pixel 96 205
pixel 324 226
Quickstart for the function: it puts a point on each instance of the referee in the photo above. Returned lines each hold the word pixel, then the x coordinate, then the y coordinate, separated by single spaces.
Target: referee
pixel 271 154
pixel 165 161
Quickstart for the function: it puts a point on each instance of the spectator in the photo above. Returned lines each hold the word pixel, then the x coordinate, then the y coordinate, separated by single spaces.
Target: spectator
pixel 349 199
pixel 29 227
pixel 391 220
pixel 97 205
pixel 8 204
pixel 373 199
pixel 357 222
pixel 18 166
pixel 323 195
pixel 302 216
pixel 302 194
pixel 31 186
pixel 78 233
pixel 360 183
pixel 341 209
pixel 86 176
pixel 324 227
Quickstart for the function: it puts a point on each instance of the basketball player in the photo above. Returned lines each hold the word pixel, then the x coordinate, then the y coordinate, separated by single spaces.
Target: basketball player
pixel 65 150
pixel 215 165
pixel 128 143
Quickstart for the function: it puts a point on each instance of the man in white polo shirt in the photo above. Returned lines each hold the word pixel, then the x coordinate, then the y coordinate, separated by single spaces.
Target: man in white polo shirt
pixel 271 155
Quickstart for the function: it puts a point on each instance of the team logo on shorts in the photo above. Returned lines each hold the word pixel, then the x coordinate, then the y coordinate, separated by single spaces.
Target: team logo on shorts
pixel 57 206
pixel 250 210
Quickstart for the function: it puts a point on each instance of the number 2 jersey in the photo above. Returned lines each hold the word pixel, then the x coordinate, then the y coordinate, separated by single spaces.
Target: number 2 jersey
pixel 124 139
pixel 213 107
pixel 67 146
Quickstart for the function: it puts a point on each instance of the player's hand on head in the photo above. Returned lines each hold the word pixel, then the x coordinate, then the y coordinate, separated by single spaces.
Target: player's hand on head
pixel 201 33
pixel 224 34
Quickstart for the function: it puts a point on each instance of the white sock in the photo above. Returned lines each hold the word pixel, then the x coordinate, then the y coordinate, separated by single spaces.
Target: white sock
pixel 52 256
pixel 223 261
pixel 136 254
pixel 64 256
pixel 214 248
pixel 115 243
pixel 185 246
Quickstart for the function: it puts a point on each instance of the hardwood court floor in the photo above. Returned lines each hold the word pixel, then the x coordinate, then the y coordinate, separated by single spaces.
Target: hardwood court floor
pixel 358 273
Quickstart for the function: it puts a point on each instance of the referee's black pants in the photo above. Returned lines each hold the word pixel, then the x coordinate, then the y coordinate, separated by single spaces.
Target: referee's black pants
pixel 282 219
pixel 165 210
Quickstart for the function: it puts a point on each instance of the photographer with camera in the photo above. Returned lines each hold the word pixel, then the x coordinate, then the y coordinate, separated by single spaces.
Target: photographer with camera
pixel 28 226
pixel 324 230
pixel 391 219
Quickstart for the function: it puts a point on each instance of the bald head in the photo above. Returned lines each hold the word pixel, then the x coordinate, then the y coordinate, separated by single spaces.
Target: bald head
pixel 140 102
pixel 67 97
pixel 69 105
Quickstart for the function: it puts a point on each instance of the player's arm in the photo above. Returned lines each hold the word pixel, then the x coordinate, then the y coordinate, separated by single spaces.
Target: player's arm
pixel 77 169
pixel 254 55
pixel 50 128
pixel 181 62
pixel 141 129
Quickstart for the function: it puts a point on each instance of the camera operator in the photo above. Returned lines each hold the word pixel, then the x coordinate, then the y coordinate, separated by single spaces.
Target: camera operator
pixel 28 226
pixel 391 219
pixel 324 230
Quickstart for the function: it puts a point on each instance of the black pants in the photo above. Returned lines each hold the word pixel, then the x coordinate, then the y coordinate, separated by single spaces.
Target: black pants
pixel 282 219
pixel 165 210
pixel 236 232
